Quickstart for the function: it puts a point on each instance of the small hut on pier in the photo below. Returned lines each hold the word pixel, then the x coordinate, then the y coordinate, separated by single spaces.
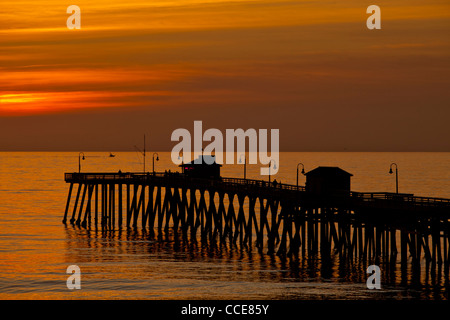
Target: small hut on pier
pixel 328 181
pixel 203 167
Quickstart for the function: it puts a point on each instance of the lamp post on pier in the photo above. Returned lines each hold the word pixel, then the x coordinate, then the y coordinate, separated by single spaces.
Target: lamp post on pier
pixel 79 161
pixel 181 156
pixel 396 175
pixel 153 158
pixel 245 164
pixel 274 166
pixel 303 171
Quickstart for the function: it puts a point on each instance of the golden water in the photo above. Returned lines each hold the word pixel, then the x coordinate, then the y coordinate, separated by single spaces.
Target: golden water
pixel 36 249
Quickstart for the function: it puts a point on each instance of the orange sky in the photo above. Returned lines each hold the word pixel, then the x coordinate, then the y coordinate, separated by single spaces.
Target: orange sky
pixel 309 68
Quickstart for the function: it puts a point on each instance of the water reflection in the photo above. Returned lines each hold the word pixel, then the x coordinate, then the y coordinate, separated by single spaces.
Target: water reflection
pixel 331 263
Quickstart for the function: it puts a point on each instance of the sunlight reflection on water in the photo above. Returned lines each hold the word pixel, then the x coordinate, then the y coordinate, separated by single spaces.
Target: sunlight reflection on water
pixel 36 248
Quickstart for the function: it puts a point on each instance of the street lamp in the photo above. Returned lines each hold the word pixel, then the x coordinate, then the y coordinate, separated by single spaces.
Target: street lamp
pixel 396 175
pixel 79 161
pixel 245 164
pixel 157 159
pixel 181 156
pixel 303 170
pixel 274 166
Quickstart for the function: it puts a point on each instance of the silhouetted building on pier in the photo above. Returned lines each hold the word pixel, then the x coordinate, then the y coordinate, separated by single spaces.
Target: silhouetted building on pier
pixel 327 181
pixel 203 167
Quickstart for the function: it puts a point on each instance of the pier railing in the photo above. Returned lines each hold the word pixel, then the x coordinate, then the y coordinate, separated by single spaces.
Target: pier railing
pixel 175 177
pixel 400 197
pixel 239 184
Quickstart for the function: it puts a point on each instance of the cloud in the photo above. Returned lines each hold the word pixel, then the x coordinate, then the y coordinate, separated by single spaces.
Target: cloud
pixel 267 61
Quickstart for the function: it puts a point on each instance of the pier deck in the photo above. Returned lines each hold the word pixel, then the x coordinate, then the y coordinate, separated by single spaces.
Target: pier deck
pixel 252 187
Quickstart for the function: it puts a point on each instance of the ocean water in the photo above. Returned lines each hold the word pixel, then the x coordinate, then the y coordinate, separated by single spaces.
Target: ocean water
pixel 36 248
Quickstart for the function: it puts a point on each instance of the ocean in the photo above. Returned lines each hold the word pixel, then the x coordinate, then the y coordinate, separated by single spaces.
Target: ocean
pixel 36 248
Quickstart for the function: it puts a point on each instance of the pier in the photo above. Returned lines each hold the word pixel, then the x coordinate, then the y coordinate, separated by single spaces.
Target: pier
pixel 278 218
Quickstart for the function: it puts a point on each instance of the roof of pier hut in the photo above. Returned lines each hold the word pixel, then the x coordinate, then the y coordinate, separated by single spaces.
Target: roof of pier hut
pixel 204 162
pixel 328 171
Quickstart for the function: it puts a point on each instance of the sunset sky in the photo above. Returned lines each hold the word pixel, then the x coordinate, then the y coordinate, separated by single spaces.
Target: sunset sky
pixel 309 68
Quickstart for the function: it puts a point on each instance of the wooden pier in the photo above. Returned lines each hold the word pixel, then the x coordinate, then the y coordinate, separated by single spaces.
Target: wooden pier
pixel 282 218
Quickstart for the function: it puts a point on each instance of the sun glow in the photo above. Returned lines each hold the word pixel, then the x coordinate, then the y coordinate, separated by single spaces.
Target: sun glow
pixel 19 98
pixel 145 54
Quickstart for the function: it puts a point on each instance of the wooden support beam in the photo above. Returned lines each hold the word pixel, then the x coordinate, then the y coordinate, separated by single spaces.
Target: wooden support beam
pixel 87 210
pixel 412 246
pixel 274 224
pixel 104 205
pixel 230 217
pixel 165 212
pixel 418 240
pixel 111 206
pixel 157 208
pixel 102 220
pixel 298 218
pixel 446 252
pixel 81 205
pixel 393 241
pixel 120 205
pixel 210 214
pixel 133 213
pixel 151 213
pixel 285 216
pixel 262 222
pixel 180 209
pixel 148 215
pixel 142 205
pixel 72 220
pixel 220 217
pixel 354 242
pixel 248 232
pixel 175 208
pixel 128 205
pixel 96 204
pixel 200 212
pixel 386 242
pixel 68 203
pixel 404 246
pixel 113 211
pixel 138 203
pixel 240 227
pixel 190 218
pixel 426 248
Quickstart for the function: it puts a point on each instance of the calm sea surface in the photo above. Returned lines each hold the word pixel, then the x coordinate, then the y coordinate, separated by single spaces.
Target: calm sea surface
pixel 36 248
